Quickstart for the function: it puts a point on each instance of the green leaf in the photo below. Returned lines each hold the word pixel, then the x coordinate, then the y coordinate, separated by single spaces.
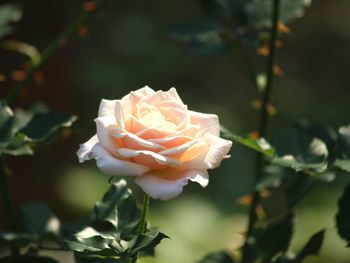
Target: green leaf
pixel 17 239
pixel 6 125
pixel 38 218
pixel 28 259
pixel 255 14
pixel 299 151
pixel 343 149
pixel 113 230
pixel 9 13
pixel 147 242
pixel 343 216
pixel 260 145
pixel 218 257
pixel 202 35
pixel 312 247
pixel 274 238
pixel 44 124
pixel 119 208
pixel 259 12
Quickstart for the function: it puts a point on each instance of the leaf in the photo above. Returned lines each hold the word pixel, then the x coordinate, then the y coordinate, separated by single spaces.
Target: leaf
pixel 9 13
pixel 28 259
pixel 147 242
pixel 260 145
pixel 44 124
pixel 343 216
pixel 6 125
pixel 202 35
pixel 18 239
pixel 254 14
pixel 119 208
pixel 38 218
pixel 113 231
pixel 299 151
pixel 259 12
pixel 343 149
pixel 218 257
pixel 312 247
pixel 274 238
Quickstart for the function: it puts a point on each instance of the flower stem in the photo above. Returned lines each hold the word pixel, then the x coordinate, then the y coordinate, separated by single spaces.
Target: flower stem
pixel 90 7
pixel 7 198
pixel 142 225
pixel 253 217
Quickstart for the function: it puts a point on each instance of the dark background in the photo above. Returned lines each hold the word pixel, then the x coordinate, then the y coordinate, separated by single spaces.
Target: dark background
pixel 128 47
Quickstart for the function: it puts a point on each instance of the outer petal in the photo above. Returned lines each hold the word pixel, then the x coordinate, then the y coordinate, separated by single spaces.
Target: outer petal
pixel 112 108
pixel 218 150
pixel 85 149
pixel 159 188
pixel 173 93
pixel 209 123
pixel 104 126
pixel 113 166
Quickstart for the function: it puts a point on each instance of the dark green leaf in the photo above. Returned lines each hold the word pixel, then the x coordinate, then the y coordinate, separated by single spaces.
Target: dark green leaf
pixel 299 151
pixel 18 239
pixel 218 257
pixel 147 242
pixel 38 218
pixel 260 145
pixel 297 187
pixel 44 124
pixel 259 12
pixel 119 208
pixel 312 247
pixel 6 126
pixel 202 35
pixel 113 230
pixel 274 238
pixel 9 13
pixel 28 259
pixel 343 216
pixel 343 149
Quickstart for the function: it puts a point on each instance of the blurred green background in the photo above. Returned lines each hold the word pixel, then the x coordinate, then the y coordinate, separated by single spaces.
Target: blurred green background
pixel 127 47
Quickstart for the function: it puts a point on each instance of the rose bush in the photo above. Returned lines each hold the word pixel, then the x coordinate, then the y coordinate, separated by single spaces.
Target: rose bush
pixel 152 135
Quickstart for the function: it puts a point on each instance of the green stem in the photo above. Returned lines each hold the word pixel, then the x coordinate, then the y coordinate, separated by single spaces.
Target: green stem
pixel 253 217
pixel 52 49
pixel 7 198
pixel 143 224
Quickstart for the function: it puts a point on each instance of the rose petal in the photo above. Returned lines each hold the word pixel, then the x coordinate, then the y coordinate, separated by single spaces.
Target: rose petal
pixel 112 108
pixel 173 93
pixel 103 127
pixel 159 188
pixel 179 149
pixel 113 166
pixel 164 160
pixel 173 141
pixel 208 123
pixel 85 149
pixel 134 142
pixel 218 149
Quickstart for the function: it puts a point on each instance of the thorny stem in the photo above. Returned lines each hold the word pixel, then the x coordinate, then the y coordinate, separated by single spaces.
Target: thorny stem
pixel 262 129
pixel 90 8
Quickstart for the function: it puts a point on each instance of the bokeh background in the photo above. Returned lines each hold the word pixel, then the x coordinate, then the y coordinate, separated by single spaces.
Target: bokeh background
pixel 127 47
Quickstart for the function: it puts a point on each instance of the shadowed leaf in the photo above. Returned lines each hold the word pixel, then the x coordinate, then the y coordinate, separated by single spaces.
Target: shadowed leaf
pixel 343 216
pixel 218 257
pixel 312 247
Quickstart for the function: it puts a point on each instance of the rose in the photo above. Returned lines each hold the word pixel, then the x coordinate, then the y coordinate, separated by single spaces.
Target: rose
pixel 152 135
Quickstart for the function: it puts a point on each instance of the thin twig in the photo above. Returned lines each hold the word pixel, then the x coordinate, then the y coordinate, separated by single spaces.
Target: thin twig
pixel 253 217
